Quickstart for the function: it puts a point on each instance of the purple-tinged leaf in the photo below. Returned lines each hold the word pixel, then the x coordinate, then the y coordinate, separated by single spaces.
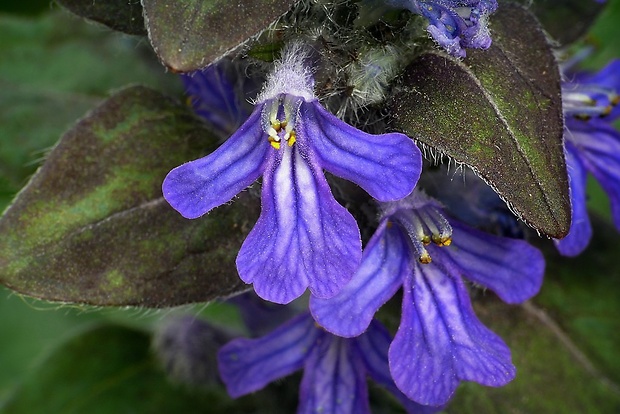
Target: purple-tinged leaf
pixel 498 111
pixel 189 35
pixel 92 225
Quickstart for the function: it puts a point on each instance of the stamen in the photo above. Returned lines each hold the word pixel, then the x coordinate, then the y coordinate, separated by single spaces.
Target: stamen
pixel 423 225
pixel 291 140
pixel 278 129
pixel 425 258
pixel 274 143
pixel 587 101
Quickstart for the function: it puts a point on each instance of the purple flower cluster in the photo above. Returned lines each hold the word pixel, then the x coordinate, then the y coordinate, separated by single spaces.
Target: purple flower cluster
pixel 590 103
pixel 305 239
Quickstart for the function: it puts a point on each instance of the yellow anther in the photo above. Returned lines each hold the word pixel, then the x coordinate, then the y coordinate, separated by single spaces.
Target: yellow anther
pixel 426 240
pixel 442 240
pixel 274 143
pixel 583 117
pixel 292 139
pixel 283 124
pixel 615 100
pixel 276 125
pixel 425 258
pixel 606 111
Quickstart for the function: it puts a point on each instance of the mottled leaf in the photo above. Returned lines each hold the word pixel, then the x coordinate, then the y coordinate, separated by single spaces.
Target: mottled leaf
pixel 53 70
pixel 191 34
pixel 564 20
pixel 498 111
pixel 122 15
pixel 92 226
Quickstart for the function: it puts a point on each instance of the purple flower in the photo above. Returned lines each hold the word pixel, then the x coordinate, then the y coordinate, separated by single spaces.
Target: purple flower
pixel 303 237
pixel 440 342
pixel 216 99
pixel 590 103
pixel 454 24
pixel 335 368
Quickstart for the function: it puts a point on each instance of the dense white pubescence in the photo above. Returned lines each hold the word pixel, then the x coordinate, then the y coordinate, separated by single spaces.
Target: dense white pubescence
pixel 292 75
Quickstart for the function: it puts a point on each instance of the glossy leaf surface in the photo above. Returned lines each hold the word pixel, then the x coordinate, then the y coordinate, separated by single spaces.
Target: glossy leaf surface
pixel 189 35
pixel 499 112
pixel 93 227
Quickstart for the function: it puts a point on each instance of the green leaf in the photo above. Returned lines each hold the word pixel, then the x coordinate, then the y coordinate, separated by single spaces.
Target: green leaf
pixel 603 36
pixel 567 338
pixel 115 373
pixel 499 112
pixel 92 226
pixel 122 15
pixel 550 379
pixel 582 295
pixel 53 70
pixel 191 34
pixel 565 20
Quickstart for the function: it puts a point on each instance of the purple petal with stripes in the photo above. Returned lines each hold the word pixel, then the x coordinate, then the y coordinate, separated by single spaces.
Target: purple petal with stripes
pixel 580 231
pixel 247 365
pixel 440 342
pixel 303 237
pixel 511 268
pixel 384 265
pixel 387 166
pixel 334 379
pixel 196 187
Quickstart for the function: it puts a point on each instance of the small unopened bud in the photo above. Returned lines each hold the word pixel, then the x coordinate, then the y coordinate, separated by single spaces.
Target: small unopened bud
pixel 187 349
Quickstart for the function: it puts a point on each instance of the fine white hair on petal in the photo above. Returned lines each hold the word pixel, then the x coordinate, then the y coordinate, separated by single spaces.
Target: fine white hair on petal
pixel 291 75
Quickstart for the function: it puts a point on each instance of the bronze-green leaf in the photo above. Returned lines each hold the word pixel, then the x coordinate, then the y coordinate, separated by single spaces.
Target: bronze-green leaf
pixel 92 226
pixel 122 15
pixel 189 35
pixel 499 111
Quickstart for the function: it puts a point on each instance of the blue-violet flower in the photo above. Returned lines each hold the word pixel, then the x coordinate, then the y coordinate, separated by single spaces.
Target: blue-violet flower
pixel 454 24
pixel 335 368
pixel 303 237
pixel 216 98
pixel 590 104
pixel 440 342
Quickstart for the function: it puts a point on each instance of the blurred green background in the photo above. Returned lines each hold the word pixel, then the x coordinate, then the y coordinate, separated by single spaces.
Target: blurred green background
pixel 74 359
